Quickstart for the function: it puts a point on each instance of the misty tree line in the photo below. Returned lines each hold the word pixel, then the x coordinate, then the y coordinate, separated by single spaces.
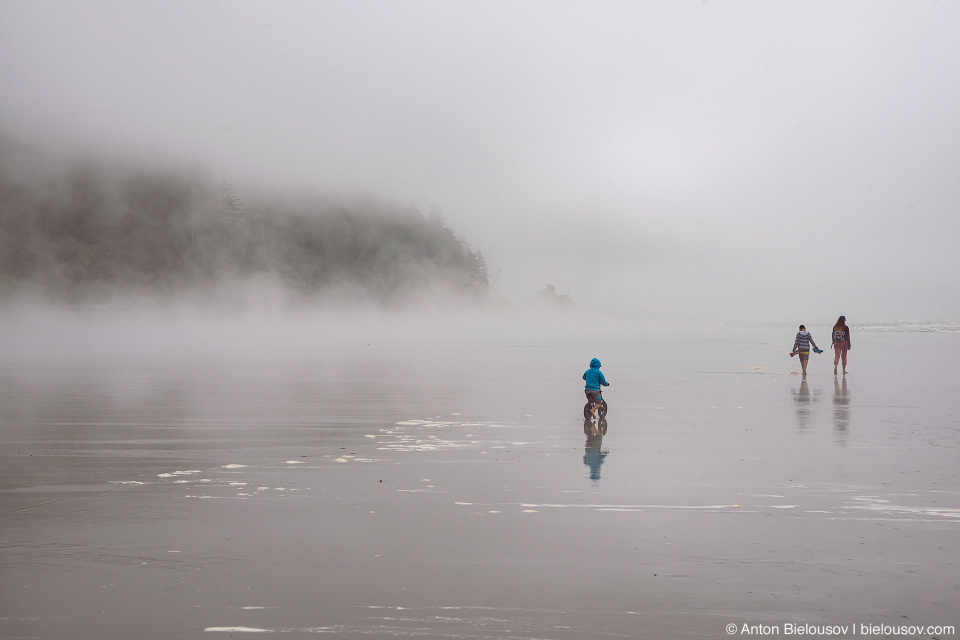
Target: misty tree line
pixel 89 229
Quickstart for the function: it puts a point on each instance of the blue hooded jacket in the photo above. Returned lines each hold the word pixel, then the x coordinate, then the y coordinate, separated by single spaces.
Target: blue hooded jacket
pixel 594 377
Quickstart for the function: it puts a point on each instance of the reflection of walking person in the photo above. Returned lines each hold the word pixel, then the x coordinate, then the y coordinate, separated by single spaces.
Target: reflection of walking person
pixel 803 400
pixel 841 344
pixel 841 409
pixel 801 345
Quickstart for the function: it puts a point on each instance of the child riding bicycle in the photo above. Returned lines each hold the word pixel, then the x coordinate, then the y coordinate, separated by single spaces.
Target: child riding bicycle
pixel 594 380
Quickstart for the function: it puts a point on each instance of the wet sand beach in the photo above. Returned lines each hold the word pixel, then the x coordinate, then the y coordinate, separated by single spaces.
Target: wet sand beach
pixel 452 489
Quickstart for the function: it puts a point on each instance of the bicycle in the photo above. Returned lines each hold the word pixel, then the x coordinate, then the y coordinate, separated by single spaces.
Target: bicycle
pixel 601 408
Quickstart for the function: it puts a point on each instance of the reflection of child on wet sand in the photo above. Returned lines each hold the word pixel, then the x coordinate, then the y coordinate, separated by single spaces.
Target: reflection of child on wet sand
pixel 801 345
pixel 592 454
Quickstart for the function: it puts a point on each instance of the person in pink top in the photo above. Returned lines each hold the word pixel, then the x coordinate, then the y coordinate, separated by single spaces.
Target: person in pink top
pixel 841 344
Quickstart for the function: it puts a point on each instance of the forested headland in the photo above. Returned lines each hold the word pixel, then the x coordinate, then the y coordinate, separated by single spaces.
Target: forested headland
pixel 83 230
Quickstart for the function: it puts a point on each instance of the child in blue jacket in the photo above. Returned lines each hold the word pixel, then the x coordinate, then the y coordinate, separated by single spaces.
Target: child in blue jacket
pixel 594 379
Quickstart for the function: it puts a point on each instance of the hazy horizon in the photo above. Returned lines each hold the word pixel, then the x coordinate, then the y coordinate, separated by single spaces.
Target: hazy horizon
pixel 706 161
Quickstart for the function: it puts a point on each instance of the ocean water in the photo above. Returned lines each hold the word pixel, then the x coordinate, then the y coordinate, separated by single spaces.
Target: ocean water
pixel 442 486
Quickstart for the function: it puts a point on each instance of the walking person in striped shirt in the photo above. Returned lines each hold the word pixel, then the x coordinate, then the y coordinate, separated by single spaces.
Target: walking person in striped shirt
pixel 802 346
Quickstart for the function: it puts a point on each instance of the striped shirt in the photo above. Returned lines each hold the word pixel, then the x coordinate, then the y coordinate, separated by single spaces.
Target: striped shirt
pixel 803 342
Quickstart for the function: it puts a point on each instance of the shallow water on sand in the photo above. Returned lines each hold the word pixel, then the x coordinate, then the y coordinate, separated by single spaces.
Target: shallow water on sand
pixel 452 490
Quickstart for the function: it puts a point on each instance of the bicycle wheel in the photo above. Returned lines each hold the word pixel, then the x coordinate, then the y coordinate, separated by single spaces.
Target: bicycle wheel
pixel 586 411
pixel 602 410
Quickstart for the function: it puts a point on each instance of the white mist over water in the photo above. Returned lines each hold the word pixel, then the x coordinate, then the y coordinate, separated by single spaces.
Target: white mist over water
pixel 707 161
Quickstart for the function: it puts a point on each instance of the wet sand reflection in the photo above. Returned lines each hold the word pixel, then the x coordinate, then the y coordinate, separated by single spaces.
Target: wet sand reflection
pixel 593 451
pixel 804 399
pixel 841 410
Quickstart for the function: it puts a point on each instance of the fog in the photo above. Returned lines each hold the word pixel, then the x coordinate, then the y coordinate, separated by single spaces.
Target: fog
pixel 91 233
pixel 707 161
pixel 296 297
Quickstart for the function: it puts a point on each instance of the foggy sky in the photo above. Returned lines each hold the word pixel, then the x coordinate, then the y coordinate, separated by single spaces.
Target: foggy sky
pixel 713 160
